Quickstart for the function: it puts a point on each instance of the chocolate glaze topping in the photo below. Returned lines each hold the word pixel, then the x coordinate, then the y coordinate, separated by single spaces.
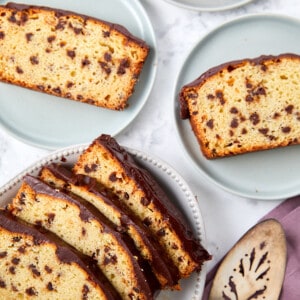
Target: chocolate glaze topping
pixel 155 194
pixel 161 263
pixel 61 12
pixel 88 212
pixel 65 253
pixel 184 111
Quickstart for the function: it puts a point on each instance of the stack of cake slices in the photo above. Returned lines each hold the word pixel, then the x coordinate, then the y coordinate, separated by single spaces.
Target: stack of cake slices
pixel 111 216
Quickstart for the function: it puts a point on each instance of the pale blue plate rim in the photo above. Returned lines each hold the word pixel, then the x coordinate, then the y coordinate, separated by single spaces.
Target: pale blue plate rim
pixel 207 169
pixel 17 124
pixel 207 5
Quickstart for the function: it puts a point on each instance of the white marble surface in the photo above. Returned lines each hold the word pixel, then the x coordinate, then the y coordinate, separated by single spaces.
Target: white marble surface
pixel 226 216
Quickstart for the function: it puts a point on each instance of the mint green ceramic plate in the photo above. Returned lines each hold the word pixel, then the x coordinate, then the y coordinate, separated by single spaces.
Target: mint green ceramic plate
pixel 209 5
pixel 49 122
pixel 272 174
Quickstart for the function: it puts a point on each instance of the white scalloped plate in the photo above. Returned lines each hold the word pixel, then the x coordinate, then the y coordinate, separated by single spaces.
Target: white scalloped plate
pixel 175 186
pixel 51 122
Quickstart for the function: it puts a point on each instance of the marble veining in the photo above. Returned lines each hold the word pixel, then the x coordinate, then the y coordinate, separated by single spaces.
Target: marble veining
pixel 177 30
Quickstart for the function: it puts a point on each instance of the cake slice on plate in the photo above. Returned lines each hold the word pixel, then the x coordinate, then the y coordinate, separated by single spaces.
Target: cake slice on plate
pixel 39 265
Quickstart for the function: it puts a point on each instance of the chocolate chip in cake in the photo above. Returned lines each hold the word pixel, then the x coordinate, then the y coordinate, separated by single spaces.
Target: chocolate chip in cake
pixel 210 123
pixel 71 53
pixel 31 291
pixel 3 254
pixel 263 131
pixel 50 286
pixel 48 269
pixel 234 123
pixel 104 66
pixel 85 62
pixel 220 96
pixel 106 34
pixel 34 270
pixel 107 56
pixel 69 84
pixel 51 38
pixel 2 284
pixel 19 70
pixel 289 109
pixel 12 270
pixel 29 36
pixel 161 232
pixel 60 25
pixel 286 129
pixel 145 201
pixel 234 110
pixel 34 60
pixel 85 291
pixel 254 118
pixel 113 177
pixel 147 221
pixel 124 64
pixel 15 260
pixel 2 35
pixel 57 90
pixel 51 217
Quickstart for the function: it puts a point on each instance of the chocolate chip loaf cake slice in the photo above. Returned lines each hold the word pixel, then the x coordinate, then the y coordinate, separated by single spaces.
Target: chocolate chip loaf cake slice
pixel 39 265
pixel 69 55
pixel 246 105
pixel 112 166
pixel 108 204
pixel 85 229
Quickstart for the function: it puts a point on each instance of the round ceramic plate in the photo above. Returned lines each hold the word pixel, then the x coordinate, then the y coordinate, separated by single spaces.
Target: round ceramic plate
pixel 271 174
pixel 173 184
pixel 209 5
pixel 51 122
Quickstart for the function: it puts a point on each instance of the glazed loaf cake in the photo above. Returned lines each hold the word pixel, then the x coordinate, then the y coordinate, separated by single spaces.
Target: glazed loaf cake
pixel 85 229
pixel 246 105
pixel 111 165
pixel 37 265
pixel 69 55
pixel 60 177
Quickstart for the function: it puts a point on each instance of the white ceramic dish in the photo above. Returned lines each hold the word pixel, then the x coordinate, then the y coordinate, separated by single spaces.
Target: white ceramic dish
pixel 49 122
pixel 209 5
pixel 266 175
pixel 167 177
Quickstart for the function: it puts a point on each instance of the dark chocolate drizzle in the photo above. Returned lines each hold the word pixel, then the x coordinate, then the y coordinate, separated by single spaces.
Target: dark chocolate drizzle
pixel 65 253
pixel 160 263
pixel 156 195
pixel 184 111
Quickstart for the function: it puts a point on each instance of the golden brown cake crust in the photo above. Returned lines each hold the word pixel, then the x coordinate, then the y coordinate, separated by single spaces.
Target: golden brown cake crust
pixel 69 55
pixel 244 106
